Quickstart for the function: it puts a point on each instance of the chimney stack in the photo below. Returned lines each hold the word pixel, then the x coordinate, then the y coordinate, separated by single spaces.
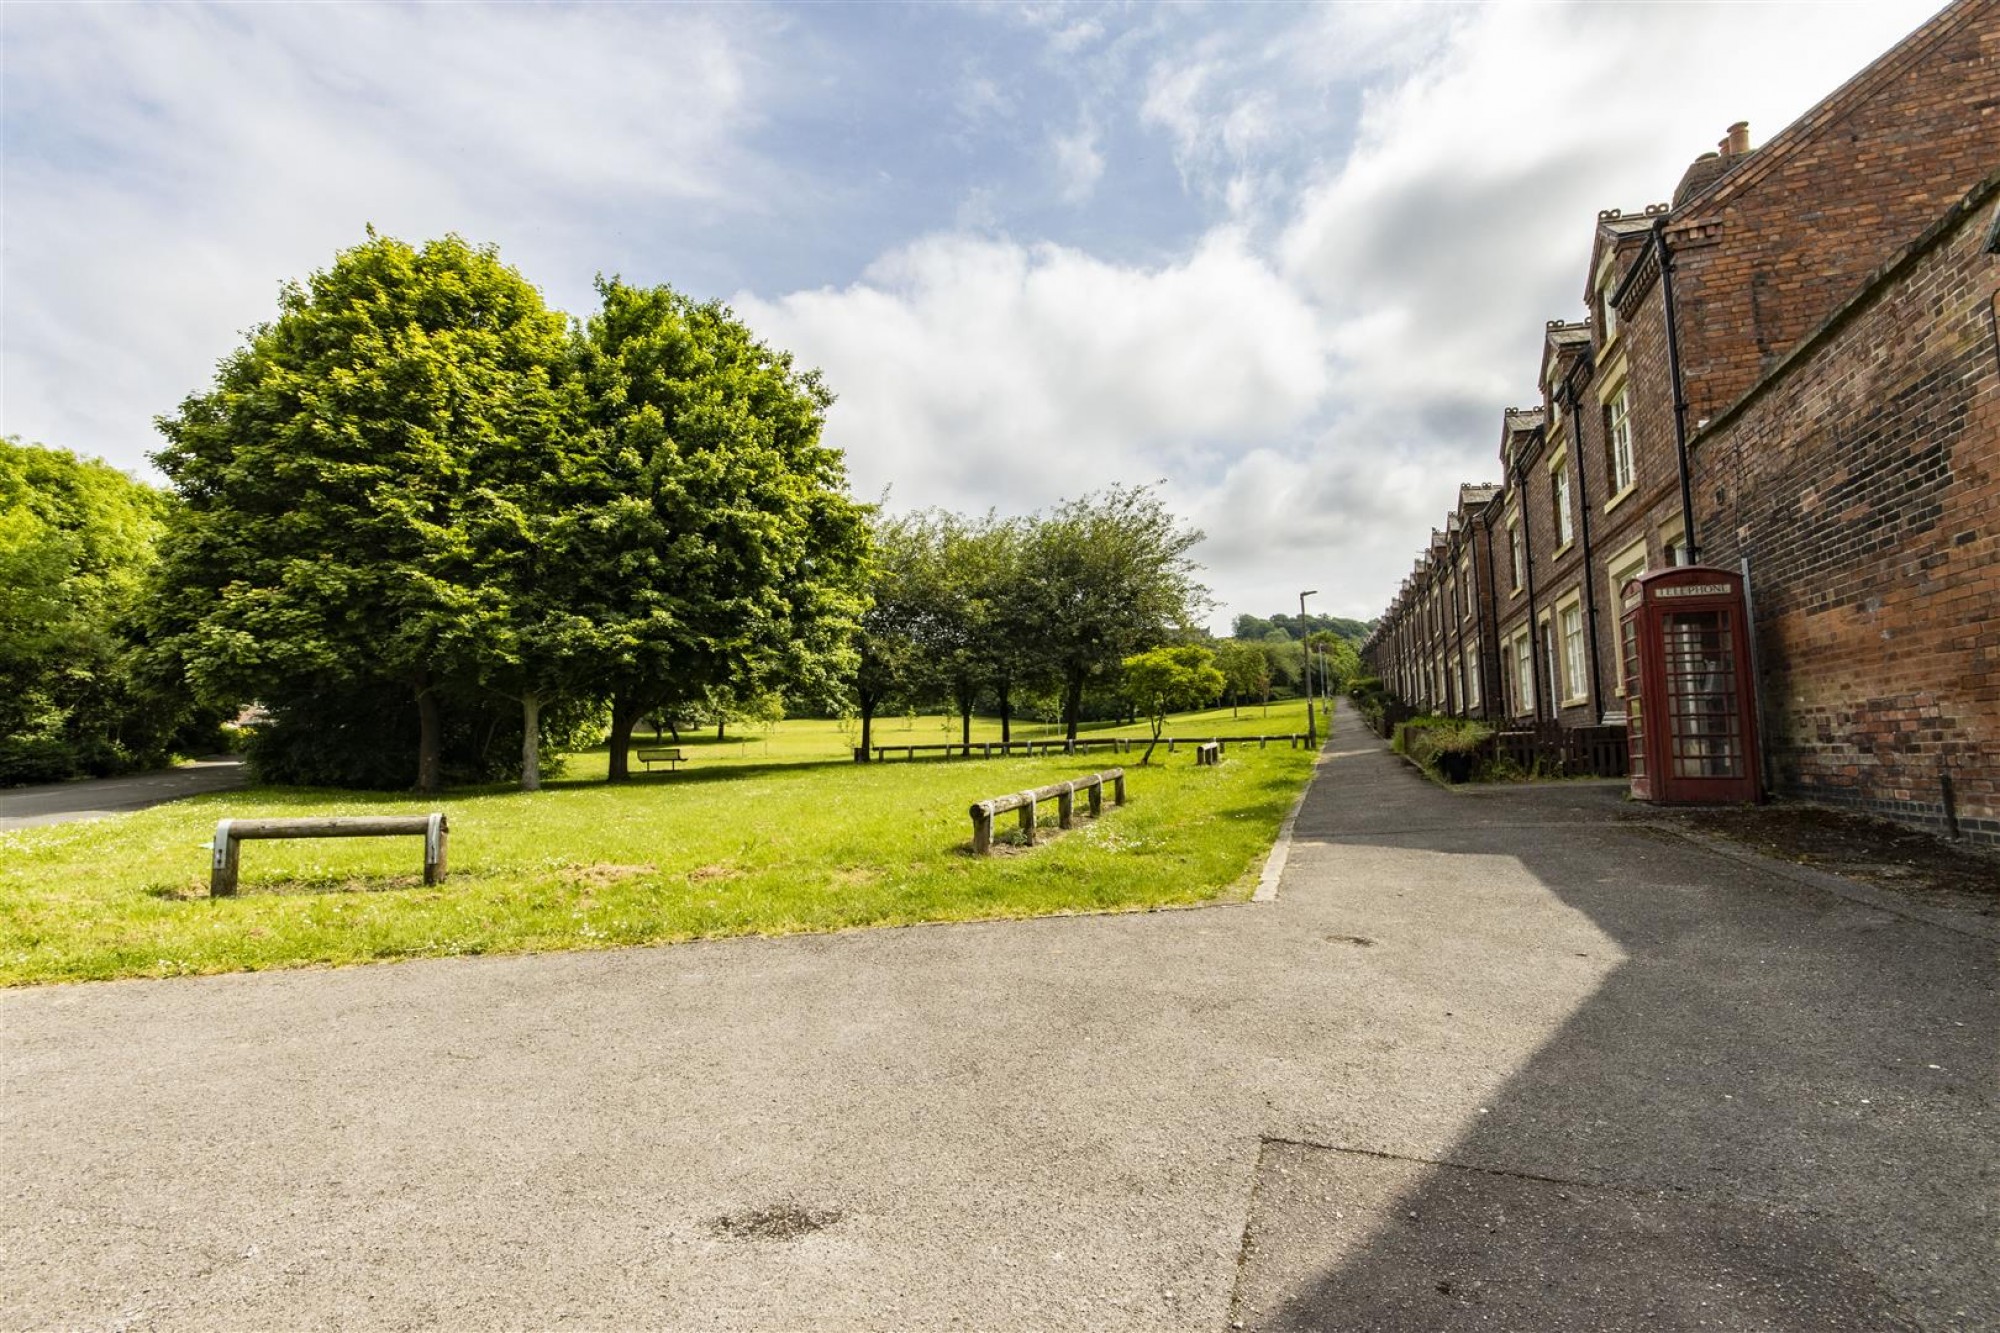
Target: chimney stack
pixel 1737 142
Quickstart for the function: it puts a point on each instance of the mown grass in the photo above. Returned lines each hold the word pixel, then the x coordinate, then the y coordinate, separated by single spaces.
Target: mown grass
pixel 757 842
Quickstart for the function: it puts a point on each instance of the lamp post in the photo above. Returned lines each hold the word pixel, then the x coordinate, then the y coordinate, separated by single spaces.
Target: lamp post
pixel 1312 717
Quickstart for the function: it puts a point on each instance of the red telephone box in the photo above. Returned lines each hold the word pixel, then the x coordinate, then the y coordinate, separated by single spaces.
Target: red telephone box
pixel 1691 705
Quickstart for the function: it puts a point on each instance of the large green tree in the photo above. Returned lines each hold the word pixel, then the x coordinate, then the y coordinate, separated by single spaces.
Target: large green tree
pixel 725 553
pixel 77 540
pixel 1101 578
pixel 890 640
pixel 330 472
pixel 1169 680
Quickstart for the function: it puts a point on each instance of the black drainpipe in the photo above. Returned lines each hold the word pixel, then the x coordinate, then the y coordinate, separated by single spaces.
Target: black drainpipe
pixel 1528 572
pixel 1489 653
pixel 1458 667
pixel 1589 562
pixel 1674 374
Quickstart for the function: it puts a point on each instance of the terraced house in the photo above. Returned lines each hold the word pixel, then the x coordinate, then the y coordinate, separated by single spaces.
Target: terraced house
pixel 1791 367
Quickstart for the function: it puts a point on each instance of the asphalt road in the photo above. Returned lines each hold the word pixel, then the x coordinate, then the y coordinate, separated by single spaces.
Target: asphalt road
pixel 1491 1061
pixel 98 798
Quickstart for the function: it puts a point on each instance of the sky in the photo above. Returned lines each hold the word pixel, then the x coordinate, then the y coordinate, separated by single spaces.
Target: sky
pixel 1287 261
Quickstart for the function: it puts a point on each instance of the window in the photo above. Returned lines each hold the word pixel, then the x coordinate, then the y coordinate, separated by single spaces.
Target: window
pixel 1472 677
pixel 1618 442
pixel 1524 673
pixel 1559 493
pixel 1673 543
pixel 1572 638
pixel 1514 557
pixel 1607 311
pixel 1465 582
pixel 1627 564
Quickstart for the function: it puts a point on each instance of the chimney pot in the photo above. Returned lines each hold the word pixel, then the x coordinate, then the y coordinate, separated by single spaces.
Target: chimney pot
pixel 1738 141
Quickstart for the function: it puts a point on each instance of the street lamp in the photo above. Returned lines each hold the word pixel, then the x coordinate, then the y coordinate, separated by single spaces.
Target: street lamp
pixel 1312 718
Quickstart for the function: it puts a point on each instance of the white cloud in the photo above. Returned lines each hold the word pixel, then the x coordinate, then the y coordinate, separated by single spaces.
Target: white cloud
pixel 980 372
pixel 167 167
pixel 1078 164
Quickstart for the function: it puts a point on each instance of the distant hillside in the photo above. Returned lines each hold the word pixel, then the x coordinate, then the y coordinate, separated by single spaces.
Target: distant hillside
pixel 1260 627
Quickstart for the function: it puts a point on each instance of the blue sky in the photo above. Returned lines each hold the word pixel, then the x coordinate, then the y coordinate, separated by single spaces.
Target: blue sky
pixel 1289 260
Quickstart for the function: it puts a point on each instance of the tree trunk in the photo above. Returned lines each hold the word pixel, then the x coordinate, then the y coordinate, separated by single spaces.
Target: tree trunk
pixel 430 742
pixel 867 728
pixel 965 721
pixel 624 718
pixel 531 742
pixel 1006 713
pixel 1072 705
pixel 673 727
pixel 1234 712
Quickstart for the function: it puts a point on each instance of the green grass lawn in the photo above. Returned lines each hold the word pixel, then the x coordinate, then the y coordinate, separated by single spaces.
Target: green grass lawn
pixel 765 834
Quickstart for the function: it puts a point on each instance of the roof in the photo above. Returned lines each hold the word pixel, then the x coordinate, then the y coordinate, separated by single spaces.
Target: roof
pixel 1886 70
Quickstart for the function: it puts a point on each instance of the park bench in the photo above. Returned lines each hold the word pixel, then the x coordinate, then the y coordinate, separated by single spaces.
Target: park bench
pixel 1063 793
pixel 1208 753
pixel 671 758
pixel 230 834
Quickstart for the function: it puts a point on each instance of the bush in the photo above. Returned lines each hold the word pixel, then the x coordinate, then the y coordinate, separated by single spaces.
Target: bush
pixel 1446 746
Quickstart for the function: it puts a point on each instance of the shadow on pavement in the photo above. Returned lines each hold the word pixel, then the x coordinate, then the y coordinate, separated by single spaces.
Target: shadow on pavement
pixel 1777 1111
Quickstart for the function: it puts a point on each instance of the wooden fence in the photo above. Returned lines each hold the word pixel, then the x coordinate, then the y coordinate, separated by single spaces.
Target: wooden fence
pixel 1571 752
pixel 1027 802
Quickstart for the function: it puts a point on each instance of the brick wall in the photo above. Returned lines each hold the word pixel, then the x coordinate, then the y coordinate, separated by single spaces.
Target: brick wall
pixel 1863 482
pixel 1765 254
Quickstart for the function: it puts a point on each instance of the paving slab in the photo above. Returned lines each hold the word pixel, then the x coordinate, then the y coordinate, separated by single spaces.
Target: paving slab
pixel 1042 1124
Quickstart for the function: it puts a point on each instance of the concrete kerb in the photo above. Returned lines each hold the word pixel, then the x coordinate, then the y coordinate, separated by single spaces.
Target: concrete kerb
pixel 1274 864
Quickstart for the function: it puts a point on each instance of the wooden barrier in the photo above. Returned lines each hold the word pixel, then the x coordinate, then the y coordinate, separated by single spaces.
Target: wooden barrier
pixel 1006 749
pixel 1208 753
pixel 230 834
pixel 1063 793
pixel 1293 740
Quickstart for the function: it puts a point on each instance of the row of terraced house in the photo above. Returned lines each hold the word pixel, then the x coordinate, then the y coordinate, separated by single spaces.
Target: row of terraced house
pixel 1792 370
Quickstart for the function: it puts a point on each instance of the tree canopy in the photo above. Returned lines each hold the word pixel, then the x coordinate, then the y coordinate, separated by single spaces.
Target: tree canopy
pixel 1101 578
pixel 420 477
pixel 77 543
pixel 1168 680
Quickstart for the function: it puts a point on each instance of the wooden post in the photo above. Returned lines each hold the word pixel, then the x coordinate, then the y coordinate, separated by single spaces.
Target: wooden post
pixel 1028 822
pixel 1065 806
pixel 434 850
pixel 1170 745
pixel 222 871
pixel 1096 797
pixel 1118 790
pixel 982 830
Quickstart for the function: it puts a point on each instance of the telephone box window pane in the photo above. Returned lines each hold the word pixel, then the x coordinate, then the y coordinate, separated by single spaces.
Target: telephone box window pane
pixel 1702 707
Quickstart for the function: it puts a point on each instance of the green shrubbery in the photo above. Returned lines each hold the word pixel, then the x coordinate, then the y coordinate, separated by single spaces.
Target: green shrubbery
pixel 1449 747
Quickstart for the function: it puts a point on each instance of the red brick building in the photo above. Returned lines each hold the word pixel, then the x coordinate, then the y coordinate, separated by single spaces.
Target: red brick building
pixel 1784 364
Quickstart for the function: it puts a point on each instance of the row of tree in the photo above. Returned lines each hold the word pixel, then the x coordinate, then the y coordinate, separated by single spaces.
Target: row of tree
pixel 419 489
pixel 965 610
pixel 422 519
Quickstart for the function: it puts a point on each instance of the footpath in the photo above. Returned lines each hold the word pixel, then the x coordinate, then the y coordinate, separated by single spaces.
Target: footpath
pixel 1490 1060
pixel 100 798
